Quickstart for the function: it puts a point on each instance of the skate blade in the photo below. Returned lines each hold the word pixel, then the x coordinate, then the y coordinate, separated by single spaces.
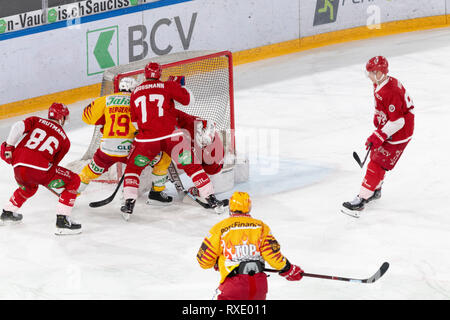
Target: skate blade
pixel 9 222
pixel 157 203
pixel 66 232
pixel 351 213
pixel 126 216
pixel 221 209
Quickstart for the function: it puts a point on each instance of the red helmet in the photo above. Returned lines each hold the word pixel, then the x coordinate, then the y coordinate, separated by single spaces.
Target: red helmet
pixel 378 63
pixel 58 111
pixel 153 70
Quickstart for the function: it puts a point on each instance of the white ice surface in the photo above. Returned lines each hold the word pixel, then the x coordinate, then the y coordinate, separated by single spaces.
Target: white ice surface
pixel 319 106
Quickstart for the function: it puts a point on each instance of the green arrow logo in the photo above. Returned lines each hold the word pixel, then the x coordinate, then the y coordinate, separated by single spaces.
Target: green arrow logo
pixel 2 26
pixel 101 52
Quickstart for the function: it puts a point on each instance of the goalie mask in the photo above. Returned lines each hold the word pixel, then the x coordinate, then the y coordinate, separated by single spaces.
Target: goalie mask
pixel 127 84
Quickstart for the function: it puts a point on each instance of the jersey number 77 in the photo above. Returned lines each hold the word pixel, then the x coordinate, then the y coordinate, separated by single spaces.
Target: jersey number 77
pixel 142 103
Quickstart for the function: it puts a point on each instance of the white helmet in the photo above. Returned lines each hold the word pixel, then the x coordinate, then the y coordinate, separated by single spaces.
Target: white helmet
pixel 127 84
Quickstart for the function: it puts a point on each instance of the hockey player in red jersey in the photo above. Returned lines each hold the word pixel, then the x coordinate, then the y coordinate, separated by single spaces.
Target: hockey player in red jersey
pixel 34 148
pixel 152 110
pixel 394 123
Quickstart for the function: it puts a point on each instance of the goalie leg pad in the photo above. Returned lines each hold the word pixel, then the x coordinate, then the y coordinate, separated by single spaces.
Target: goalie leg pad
pixel 202 183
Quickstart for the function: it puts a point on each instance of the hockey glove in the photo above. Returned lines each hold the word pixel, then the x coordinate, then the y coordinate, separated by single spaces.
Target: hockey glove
pixel 205 132
pixel 180 79
pixel 6 152
pixel 376 139
pixel 293 273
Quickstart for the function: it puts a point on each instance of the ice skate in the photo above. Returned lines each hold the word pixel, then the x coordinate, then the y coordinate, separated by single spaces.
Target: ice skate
pixel 217 205
pixel 66 226
pixel 376 195
pixel 9 217
pixel 160 198
pixel 127 208
pixel 354 207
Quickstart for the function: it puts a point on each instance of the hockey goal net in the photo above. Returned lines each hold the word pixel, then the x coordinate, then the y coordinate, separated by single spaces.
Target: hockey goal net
pixel 209 76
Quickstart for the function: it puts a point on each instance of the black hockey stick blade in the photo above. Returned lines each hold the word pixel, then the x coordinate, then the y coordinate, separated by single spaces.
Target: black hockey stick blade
pixel 101 203
pixel 358 160
pixel 384 267
pixel 203 204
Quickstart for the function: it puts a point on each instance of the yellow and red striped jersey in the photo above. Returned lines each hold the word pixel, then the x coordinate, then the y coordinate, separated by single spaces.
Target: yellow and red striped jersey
pixel 113 112
pixel 237 239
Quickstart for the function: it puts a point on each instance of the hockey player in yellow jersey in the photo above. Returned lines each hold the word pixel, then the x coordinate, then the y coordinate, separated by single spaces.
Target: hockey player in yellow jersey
pixel 238 248
pixel 113 113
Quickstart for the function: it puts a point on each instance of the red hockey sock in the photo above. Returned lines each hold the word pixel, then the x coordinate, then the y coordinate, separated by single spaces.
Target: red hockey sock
pixel 373 179
pixel 131 186
pixel 19 197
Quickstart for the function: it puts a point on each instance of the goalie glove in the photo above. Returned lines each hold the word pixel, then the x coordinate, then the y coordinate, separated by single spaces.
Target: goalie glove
pixel 180 79
pixel 204 133
pixel 6 152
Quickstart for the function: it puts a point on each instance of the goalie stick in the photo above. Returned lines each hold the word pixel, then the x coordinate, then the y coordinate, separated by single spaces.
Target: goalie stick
pixel 380 272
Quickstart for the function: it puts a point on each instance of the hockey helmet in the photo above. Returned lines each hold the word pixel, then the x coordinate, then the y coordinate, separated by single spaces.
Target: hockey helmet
pixel 378 63
pixel 153 70
pixel 240 203
pixel 127 84
pixel 58 111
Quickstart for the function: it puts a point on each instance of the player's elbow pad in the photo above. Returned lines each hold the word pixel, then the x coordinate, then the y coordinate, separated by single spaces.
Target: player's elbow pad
pixel 16 133
pixel 391 127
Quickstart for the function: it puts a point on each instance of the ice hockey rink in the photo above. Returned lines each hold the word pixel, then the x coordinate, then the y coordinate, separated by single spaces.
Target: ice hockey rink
pixel 308 111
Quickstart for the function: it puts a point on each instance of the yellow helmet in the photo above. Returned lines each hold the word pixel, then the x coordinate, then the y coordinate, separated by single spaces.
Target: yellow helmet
pixel 240 202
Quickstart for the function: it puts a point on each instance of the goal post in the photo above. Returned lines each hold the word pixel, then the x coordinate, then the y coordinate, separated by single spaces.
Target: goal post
pixel 208 75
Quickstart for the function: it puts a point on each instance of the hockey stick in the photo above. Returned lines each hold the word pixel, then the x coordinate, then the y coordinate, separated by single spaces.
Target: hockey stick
pixel 356 157
pixel 53 191
pixel 380 272
pixel 104 202
pixel 174 177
